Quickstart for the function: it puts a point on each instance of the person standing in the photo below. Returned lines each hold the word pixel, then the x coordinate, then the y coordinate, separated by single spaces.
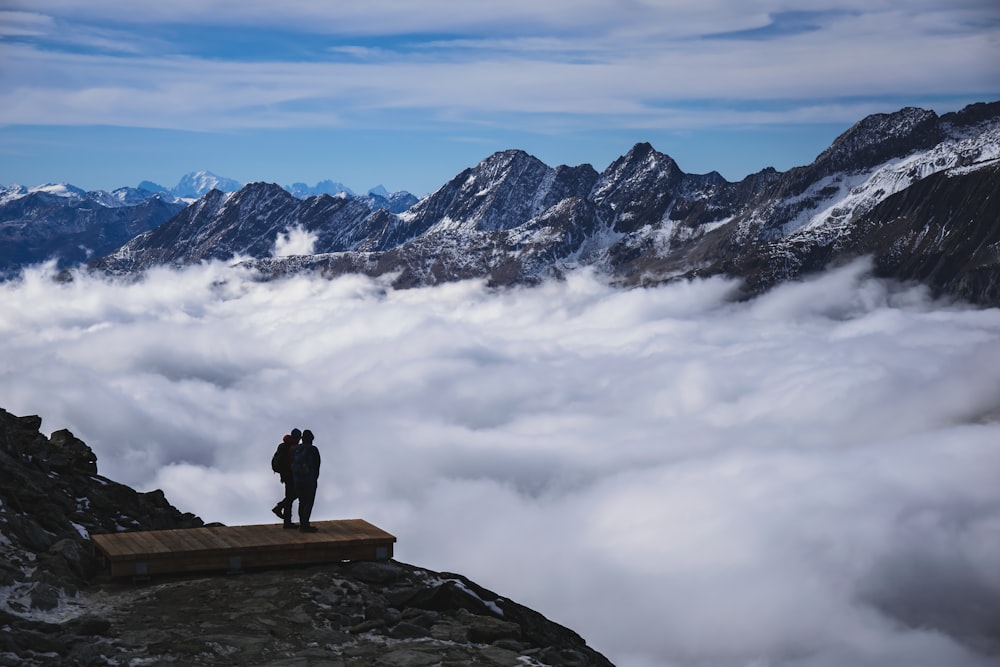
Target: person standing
pixel 305 469
pixel 284 454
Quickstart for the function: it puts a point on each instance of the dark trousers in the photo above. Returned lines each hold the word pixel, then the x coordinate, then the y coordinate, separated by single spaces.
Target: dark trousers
pixel 286 504
pixel 307 496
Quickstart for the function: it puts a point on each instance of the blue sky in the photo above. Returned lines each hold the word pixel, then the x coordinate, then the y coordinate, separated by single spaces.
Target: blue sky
pixel 104 94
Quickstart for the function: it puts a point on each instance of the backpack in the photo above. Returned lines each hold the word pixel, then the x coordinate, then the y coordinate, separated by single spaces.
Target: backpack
pixel 278 457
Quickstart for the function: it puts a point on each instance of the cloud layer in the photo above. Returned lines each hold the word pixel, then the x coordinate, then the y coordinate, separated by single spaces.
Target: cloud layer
pixel 809 478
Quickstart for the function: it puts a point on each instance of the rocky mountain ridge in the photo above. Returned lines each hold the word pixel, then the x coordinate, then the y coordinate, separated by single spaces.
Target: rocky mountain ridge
pixel 71 226
pixel 512 219
pixel 59 607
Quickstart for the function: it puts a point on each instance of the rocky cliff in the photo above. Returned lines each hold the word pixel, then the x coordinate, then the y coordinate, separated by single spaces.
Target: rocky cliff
pixel 58 606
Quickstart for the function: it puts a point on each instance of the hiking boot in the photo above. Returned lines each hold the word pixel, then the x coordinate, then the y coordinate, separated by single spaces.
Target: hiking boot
pixel 309 529
pixel 290 525
pixel 279 511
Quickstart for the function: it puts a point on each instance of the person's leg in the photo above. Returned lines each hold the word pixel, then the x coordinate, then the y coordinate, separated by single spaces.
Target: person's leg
pixel 286 504
pixel 307 496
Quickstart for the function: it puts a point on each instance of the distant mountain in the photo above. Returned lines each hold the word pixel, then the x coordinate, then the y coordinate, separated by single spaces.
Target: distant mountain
pixel 394 202
pixel 200 183
pixel 916 191
pixel 71 226
pixel 195 184
pixel 328 187
pixel 376 198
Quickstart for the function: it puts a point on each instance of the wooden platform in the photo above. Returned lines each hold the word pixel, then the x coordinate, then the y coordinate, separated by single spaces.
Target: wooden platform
pixel 234 548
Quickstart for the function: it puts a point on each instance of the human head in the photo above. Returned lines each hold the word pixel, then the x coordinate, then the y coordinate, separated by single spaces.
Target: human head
pixel 288 439
pixel 307 436
pixel 296 433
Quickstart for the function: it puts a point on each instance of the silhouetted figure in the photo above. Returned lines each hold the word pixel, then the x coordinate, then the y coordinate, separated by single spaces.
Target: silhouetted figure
pixel 283 455
pixel 305 469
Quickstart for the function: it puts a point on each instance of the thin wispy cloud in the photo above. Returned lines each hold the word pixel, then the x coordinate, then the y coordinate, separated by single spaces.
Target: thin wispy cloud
pixel 516 59
pixel 808 478
pixel 380 93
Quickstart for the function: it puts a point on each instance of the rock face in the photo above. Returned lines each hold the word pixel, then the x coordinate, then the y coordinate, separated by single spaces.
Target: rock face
pixel 514 220
pixel 59 607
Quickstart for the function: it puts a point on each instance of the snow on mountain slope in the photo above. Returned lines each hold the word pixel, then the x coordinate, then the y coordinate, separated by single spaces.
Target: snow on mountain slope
pixel 849 195
pixel 14 192
pixel 199 183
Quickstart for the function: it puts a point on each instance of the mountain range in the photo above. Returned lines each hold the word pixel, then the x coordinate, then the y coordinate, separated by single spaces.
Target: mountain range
pixel 914 191
pixel 199 183
pixel 72 226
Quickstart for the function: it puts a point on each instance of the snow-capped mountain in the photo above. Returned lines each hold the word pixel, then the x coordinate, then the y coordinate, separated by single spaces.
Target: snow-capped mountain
pixel 70 195
pixel 327 187
pixel 916 191
pixel 200 183
pixel 931 179
pixel 194 185
pixel 376 198
pixel 394 202
pixel 65 223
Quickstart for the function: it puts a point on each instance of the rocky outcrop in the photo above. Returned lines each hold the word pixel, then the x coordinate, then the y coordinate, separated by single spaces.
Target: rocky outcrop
pixel 58 605
pixel 53 500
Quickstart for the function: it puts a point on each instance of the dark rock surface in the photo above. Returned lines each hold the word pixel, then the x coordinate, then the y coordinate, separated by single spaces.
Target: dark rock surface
pixel 58 605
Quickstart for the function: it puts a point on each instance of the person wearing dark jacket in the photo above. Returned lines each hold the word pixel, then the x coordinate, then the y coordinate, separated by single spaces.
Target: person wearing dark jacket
pixel 287 450
pixel 305 470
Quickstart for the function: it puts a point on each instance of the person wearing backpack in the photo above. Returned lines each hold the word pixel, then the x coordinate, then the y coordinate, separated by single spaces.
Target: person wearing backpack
pixel 305 470
pixel 281 463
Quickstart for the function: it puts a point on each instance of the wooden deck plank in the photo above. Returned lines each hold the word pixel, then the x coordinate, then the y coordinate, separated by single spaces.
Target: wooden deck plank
pixel 192 540
pixel 277 536
pixel 224 537
pixel 153 542
pixel 223 547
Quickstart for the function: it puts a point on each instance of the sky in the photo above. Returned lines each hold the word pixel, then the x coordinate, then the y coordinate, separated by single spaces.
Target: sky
pixel 807 479
pixel 105 94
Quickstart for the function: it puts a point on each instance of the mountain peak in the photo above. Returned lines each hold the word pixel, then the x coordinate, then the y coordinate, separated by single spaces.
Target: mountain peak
pixel 502 160
pixel 197 183
pixel 879 137
pixel 640 150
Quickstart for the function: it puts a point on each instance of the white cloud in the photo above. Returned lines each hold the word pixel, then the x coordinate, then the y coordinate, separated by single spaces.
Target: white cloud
pixel 808 478
pixel 295 241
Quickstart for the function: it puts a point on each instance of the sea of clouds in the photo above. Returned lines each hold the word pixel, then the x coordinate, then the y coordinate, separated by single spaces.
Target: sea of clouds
pixel 811 478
